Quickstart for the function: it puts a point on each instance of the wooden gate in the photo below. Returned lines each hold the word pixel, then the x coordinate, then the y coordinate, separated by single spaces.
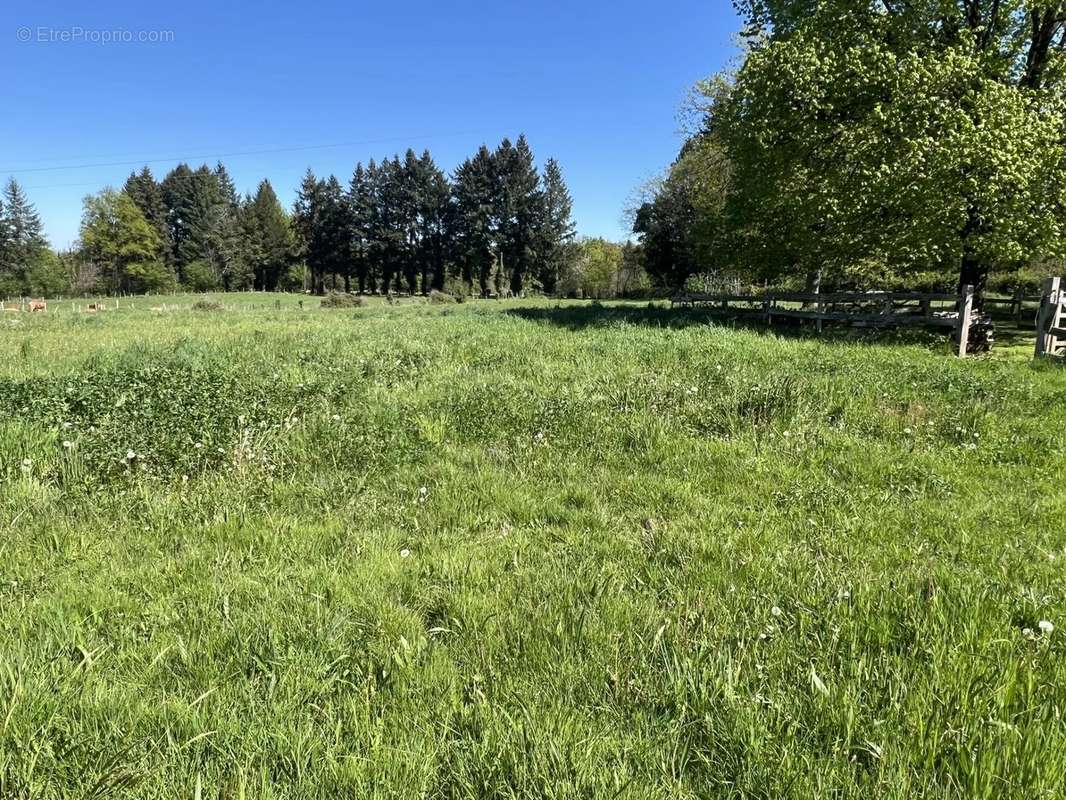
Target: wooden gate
pixel 1050 333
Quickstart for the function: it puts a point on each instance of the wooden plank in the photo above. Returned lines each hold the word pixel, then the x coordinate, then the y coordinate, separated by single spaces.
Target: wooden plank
pixel 962 331
pixel 882 319
pixel 1050 306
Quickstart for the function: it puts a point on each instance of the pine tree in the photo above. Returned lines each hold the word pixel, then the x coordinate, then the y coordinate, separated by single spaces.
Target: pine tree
pixel 197 210
pixel 388 227
pixel 22 241
pixel 474 194
pixel 555 228
pixel 359 209
pixel 267 232
pixel 147 193
pixel 410 193
pixel 333 231
pixel 305 213
pixel 517 205
pixel 435 222
pixel 226 188
pixel 321 224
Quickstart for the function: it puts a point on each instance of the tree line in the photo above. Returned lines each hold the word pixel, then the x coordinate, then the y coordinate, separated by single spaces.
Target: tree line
pixel 866 143
pixel 496 226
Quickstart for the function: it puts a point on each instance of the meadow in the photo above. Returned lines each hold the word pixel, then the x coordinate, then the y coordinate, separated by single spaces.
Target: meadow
pixel 523 549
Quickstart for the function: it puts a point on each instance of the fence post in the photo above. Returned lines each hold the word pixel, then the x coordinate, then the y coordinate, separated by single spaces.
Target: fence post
pixel 962 331
pixel 1049 310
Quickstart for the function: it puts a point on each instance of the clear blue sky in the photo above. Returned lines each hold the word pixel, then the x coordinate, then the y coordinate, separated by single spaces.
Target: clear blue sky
pixel 596 84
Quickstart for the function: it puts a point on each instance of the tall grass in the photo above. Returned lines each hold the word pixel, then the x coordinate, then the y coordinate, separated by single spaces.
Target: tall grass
pixel 514 550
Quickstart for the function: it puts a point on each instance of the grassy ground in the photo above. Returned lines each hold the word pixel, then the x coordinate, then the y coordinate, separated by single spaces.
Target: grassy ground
pixel 522 550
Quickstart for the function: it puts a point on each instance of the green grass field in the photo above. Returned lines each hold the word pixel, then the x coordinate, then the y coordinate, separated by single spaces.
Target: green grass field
pixel 523 549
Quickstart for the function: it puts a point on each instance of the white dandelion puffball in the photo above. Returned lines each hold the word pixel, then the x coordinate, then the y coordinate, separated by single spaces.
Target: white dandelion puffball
pixel 67 444
pixel 777 612
pixel 1046 627
pixel 130 455
pixel 405 553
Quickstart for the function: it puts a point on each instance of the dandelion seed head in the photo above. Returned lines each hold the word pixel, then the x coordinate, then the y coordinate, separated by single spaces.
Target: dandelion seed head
pixel 1046 627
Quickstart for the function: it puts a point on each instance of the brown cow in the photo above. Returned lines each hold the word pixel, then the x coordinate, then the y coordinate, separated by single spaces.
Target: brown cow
pixel 38 305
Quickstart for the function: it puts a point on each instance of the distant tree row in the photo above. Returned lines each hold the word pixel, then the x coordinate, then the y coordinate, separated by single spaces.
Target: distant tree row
pixel 496 226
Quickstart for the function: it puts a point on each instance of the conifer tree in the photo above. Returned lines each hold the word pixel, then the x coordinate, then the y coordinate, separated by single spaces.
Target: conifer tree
pixel 359 209
pixel 474 191
pixel 267 232
pixel 435 223
pixel 555 228
pixel 22 241
pixel 517 209
pixel 306 214
pixel 147 193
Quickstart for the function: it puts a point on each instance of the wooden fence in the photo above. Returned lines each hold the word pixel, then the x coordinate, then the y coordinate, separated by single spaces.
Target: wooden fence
pixel 1051 320
pixel 868 309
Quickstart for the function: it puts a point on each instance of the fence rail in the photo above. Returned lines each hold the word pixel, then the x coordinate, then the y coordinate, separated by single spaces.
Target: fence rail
pixel 873 309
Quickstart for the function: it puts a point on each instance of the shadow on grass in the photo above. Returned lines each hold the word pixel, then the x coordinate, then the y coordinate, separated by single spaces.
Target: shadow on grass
pixel 595 315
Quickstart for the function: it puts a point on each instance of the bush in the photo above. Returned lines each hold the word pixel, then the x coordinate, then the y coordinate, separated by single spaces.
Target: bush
pixel 149 277
pixel 457 288
pixel 207 305
pixel 439 298
pixel 341 300
pixel 199 276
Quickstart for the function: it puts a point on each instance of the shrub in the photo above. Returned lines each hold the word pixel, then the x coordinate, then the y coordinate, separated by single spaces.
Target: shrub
pixel 199 276
pixel 207 305
pixel 457 288
pixel 341 300
pixel 439 298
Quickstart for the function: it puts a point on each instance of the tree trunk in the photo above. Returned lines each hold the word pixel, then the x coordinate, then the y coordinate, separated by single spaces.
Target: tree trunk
pixel 973 272
pixel 813 284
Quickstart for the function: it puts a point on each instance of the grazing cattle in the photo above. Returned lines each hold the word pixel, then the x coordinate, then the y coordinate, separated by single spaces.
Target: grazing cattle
pixel 38 305
pixel 96 306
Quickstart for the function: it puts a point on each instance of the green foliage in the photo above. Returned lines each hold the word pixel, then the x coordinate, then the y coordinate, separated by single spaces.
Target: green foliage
pixel 457 288
pixel 440 298
pixel 527 549
pixel 117 238
pixel 872 140
pixel 200 276
pixel 267 238
pixel 23 248
pixel 603 269
pixel 49 276
pixel 339 300
pixel 555 229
